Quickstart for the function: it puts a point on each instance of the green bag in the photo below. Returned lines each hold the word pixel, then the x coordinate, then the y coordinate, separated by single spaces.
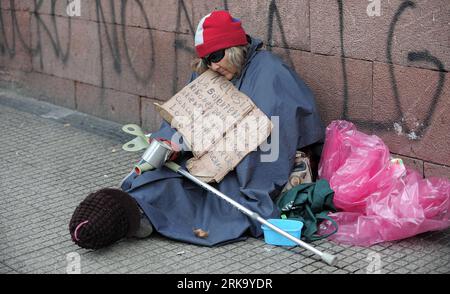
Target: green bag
pixel 309 203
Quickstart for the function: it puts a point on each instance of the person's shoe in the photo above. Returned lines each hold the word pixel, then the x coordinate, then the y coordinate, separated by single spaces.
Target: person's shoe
pixel 145 228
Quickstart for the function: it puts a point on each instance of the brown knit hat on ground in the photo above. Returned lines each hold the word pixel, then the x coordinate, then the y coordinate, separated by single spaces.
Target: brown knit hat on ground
pixel 103 218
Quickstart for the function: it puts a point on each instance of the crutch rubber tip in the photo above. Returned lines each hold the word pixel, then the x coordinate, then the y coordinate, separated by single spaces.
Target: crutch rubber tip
pixel 329 259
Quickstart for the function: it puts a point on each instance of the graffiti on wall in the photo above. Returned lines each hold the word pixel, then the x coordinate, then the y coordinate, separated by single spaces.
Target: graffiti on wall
pixel 115 36
pixel 110 45
pixel 413 56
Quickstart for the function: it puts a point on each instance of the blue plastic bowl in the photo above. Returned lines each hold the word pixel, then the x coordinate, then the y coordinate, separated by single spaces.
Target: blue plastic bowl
pixel 292 227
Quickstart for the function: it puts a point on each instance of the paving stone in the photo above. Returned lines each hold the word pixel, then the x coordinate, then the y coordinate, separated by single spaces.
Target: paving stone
pixel 41 242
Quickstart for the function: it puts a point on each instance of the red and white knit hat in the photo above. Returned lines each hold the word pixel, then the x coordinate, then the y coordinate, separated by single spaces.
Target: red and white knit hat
pixel 218 30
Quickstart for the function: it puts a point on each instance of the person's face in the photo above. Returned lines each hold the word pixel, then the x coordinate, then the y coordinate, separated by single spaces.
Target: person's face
pixel 219 62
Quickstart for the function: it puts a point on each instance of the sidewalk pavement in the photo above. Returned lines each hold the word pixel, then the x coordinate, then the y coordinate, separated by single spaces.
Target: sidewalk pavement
pixel 52 157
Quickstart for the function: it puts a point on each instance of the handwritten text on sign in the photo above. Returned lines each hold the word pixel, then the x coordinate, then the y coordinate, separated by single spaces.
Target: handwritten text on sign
pixel 219 124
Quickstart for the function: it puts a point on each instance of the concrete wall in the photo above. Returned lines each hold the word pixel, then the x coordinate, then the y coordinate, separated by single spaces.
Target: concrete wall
pixel 388 73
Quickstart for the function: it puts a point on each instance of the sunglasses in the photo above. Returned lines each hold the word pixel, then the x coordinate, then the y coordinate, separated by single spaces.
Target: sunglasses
pixel 214 57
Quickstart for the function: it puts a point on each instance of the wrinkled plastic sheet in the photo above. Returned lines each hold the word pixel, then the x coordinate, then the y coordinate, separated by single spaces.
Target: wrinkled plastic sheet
pixel 378 198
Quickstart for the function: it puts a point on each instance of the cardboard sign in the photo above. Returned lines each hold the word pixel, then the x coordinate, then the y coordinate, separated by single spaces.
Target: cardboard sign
pixel 219 124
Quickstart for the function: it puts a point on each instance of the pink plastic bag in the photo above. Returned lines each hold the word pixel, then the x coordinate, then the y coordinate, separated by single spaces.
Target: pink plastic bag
pixel 379 199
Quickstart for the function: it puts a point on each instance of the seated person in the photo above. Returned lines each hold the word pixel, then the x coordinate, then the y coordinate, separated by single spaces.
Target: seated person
pixel 175 207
